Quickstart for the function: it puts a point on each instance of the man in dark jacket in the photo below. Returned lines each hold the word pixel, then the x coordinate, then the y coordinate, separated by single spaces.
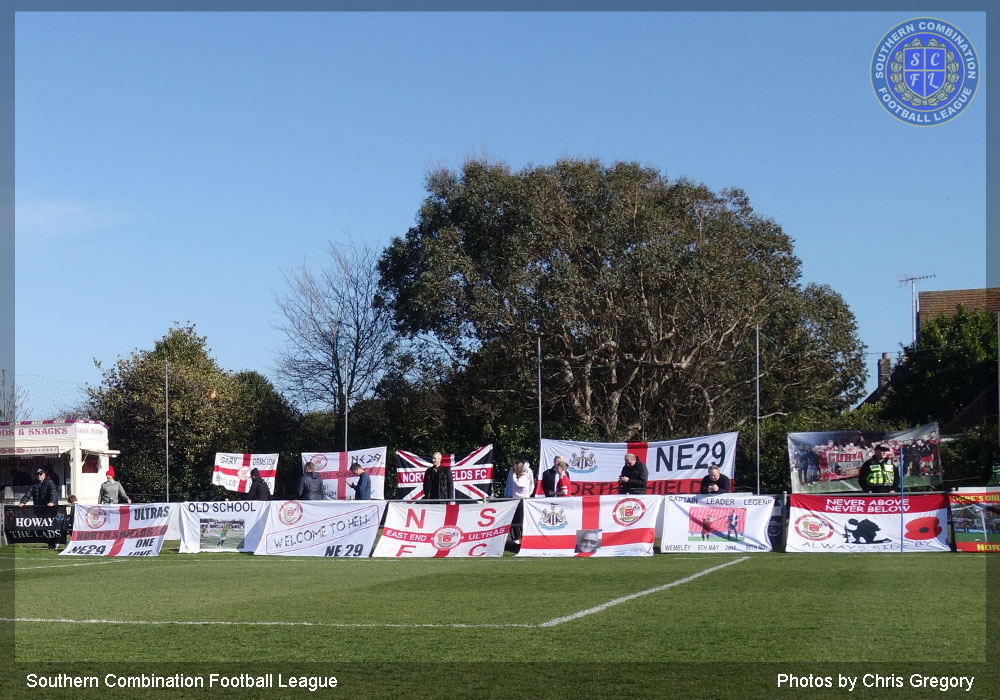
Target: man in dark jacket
pixel 550 477
pixel 438 483
pixel 311 484
pixel 43 493
pixel 634 475
pixel 258 490
pixel 362 489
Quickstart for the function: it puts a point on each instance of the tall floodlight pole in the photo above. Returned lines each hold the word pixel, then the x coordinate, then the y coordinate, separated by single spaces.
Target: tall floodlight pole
pixel 998 376
pixel 913 299
pixel 758 406
pixel 166 422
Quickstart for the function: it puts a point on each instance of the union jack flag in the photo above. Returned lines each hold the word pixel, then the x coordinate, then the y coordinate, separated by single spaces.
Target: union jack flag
pixel 471 474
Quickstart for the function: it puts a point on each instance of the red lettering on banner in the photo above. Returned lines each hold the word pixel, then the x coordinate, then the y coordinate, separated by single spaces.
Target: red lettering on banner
pixel 411 517
pixel 404 549
pixel 475 547
pixel 487 516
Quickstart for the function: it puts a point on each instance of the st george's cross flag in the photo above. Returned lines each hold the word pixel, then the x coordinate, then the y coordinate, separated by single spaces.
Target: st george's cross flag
pixel 590 526
pixel 445 529
pixel 334 468
pixel 232 470
pixel 472 474
pixel 118 531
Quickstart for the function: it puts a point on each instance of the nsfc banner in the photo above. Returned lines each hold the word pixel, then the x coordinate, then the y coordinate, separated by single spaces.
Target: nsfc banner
pixel 867 524
pixel 736 522
pixel 320 528
pixel 592 526
pixel 228 526
pixel 674 466
pixel 335 470
pixel 446 529
pixel 976 517
pixel 471 474
pixel 232 470
pixel 119 531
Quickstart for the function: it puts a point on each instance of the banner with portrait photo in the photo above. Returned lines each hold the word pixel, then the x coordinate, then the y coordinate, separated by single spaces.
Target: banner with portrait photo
pixel 472 474
pixel 446 529
pixel 975 516
pixel 870 523
pixel 829 462
pixel 735 522
pixel 222 526
pixel 334 468
pixel 591 526
pixel 320 528
pixel 232 470
pixel 119 531
pixel 674 466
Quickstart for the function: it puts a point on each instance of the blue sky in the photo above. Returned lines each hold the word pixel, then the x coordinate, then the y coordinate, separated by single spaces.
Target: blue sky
pixel 171 167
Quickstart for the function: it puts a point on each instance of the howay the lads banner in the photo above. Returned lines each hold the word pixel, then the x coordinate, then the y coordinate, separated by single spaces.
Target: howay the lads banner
pixel 472 474
pixel 868 523
pixel 119 531
pixel 34 523
pixel 232 470
pixel 334 468
pixel 975 515
pixel 226 526
pixel 674 466
pixel 446 529
pixel 736 522
pixel 592 526
pixel 320 528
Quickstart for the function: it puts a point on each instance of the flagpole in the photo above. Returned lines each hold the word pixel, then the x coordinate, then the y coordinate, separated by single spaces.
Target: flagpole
pixel 166 421
pixel 538 363
pixel 902 478
pixel 758 406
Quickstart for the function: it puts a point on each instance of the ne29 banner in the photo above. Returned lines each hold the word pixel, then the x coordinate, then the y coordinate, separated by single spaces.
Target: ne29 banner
pixel 592 526
pixel 674 466
pixel 735 522
pixel 226 526
pixel 334 468
pixel 320 528
pixel 975 516
pixel 877 523
pixel 232 470
pixel 446 529
pixel 119 531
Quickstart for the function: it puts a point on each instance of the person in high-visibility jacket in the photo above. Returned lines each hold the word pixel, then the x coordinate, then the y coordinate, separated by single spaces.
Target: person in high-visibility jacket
pixel 879 474
pixel 994 479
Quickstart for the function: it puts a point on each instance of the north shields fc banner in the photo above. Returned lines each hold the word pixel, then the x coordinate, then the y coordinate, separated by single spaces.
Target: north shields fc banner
pixel 472 474
pixel 872 523
pixel 227 526
pixel 232 470
pixel 334 468
pixel 321 528
pixel 975 514
pixel 674 466
pixel 736 522
pixel 592 526
pixel 119 531
pixel 446 529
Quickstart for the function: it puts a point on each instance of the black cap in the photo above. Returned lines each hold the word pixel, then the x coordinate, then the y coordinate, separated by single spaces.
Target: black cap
pixel 39 471
pixel 255 472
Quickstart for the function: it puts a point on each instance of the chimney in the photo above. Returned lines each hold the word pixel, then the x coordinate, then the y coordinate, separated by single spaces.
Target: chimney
pixel 884 370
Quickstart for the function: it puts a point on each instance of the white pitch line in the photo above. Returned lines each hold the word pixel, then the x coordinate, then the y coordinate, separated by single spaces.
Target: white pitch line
pixel 60 566
pixel 624 599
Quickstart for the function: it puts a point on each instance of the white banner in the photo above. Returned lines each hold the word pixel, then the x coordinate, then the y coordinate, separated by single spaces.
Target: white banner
pixel 735 522
pixel 335 470
pixel 228 526
pixel 119 531
pixel 446 529
pixel 232 470
pixel 592 526
pixel 320 528
pixel 867 524
pixel 674 466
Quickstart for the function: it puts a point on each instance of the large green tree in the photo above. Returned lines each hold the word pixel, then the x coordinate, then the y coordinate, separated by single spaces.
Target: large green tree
pixel 643 293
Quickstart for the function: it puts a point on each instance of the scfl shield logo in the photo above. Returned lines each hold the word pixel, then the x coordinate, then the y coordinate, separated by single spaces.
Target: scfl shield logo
pixel 925 71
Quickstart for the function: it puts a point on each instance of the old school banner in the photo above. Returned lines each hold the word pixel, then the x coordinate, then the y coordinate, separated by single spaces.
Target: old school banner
pixel 674 466
pixel 320 528
pixel 592 526
pixel 735 522
pixel 232 470
pixel 226 526
pixel 975 515
pixel 446 529
pixel 868 523
pixel 119 531
pixel 334 468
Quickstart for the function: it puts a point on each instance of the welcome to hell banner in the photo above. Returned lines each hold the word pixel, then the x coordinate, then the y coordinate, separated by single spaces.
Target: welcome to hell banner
pixel 226 526
pixel 232 470
pixel 736 522
pixel 334 468
pixel 320 528
pixel 592 526
pixel 119 531
pixel 976 520
pixel 881 523
pixel 446 529
pixel 674 466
